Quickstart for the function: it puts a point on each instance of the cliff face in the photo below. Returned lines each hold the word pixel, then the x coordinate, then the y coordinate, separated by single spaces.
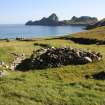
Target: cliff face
pixel 98 24
pixel 53 20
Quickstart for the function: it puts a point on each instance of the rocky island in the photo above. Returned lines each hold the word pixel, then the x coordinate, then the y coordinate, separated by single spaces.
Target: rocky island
pixel 53 20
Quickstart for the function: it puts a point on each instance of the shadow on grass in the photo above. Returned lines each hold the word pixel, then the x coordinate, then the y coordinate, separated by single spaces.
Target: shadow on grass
pixel 42 45
pixel 85 41
pixel 24 65
pixel 25 39
pixel 99 76
pixel 27 65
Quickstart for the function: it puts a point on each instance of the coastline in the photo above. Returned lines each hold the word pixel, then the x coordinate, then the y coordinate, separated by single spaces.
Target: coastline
pixel 37 31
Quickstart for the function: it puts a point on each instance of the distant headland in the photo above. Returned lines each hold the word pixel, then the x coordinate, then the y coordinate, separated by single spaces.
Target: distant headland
pixel 53 20
pixel 98 24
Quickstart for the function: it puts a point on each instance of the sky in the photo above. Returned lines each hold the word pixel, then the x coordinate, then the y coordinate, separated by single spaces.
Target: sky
pixel 20 11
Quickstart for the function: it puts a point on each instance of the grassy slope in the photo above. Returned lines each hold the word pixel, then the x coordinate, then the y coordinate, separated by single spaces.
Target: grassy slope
pixel 97 33
pixel 66 85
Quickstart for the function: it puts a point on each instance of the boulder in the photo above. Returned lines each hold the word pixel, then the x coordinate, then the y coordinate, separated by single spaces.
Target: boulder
pixel 88 59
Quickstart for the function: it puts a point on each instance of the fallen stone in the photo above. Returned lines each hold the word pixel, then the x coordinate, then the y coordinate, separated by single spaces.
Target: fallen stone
pixel 87 59
pixel 12 67
pixel 2 63
pixel 3 73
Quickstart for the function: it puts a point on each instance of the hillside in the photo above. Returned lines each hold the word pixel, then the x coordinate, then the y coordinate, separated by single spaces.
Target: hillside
pixel 83 20
pixel 97 33
pixel 98 24
pixel 53 20
pixel 65 85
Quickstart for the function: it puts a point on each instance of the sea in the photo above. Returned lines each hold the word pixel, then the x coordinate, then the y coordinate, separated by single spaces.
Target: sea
pixel 12 31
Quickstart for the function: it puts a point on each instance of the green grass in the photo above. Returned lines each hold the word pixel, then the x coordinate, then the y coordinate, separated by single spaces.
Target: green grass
pixel 66 85
pixel 97 33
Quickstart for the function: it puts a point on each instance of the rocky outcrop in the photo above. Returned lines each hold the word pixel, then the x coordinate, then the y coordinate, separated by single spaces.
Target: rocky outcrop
pixel 83 20
pixel 98 24
pixel 53 20
pixel 55 57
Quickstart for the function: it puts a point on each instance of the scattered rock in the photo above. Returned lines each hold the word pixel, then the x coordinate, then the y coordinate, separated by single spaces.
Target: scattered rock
pixel 3 73
pixel 17 61
pixel 2 63
pixel 6 66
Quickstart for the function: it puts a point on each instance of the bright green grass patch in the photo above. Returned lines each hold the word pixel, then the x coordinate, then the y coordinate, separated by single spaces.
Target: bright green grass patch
pixel 5 54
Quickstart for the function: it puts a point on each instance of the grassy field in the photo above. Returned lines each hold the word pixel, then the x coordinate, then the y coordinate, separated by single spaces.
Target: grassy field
pixel 97 33
pixel 66 85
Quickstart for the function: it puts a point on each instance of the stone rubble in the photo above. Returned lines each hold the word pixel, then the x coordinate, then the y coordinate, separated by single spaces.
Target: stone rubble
pixel 3 73
pixel 55 57
pixel 17 61
pixel 3 64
